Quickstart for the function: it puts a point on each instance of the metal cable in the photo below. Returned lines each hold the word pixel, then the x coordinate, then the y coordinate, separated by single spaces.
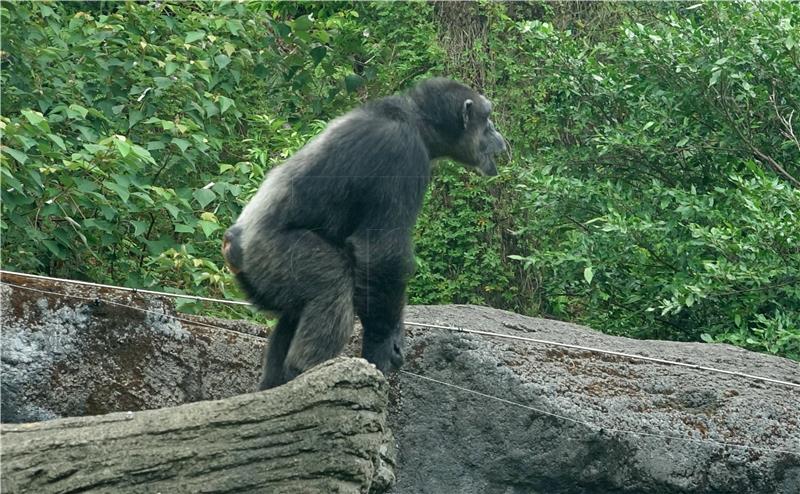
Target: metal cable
pixel 454 329
pixel 454 386
pixel 597 427
pixel 607 352
pixel 132 290
pixel 159 314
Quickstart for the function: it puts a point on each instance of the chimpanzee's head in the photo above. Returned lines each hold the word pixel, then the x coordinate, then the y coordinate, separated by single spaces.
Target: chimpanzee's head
pixel 455 123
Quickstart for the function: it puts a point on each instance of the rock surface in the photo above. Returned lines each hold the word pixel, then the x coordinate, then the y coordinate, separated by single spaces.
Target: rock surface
pixel 623 425
pixel 574 421
pixel 70 350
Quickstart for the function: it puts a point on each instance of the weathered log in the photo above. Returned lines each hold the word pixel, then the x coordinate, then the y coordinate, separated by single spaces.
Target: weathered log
pixel 323 432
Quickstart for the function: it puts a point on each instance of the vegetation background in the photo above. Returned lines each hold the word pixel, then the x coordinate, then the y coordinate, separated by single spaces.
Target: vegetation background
pixel 654 191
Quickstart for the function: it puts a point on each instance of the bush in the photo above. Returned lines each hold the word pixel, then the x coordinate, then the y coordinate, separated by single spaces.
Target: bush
pixel 661 196
pixel 654 191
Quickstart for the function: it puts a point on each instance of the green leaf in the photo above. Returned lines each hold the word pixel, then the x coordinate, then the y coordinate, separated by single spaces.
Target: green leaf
pixel 588 274
pixel 208 227
pixel 193 36
pixel 753 167
pixel 183 144
pixel 222 60
pixel 46 10
pixel 77 111
pixel 55 248
pixel 58 140
pixel 714 78
pixel 234 26
pixel 85 186
pixel 210 108
pixel 170 68
pixel 122 146
pixel 183 228
pixel 139 228
pixel 101 225
pixel 134 117
pixel 95 148
pixel 36 119
pixel 15 184
pixel 173 210
pixel 17 155
pixel 87 133
pixel 261 70
pixel 302 23
pixel 318 53
pixel 225 103
pixel 109 213
pixel 155 145
pixel 204 196
pixel 27 142
pixel 352 82
pixel 121 191
pixel 142 153
pixel 162 82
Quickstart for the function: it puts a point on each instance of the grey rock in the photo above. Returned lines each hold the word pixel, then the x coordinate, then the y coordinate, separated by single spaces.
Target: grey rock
pixel 579 421
pixel 604 424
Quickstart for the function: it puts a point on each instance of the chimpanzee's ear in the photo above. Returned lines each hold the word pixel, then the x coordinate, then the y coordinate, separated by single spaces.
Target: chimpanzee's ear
pixel 465 111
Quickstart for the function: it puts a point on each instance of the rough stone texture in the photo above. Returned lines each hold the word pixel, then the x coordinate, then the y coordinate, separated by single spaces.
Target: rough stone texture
pixel 323 432
pixel 86 351
pixel 454 441
pixel 65 357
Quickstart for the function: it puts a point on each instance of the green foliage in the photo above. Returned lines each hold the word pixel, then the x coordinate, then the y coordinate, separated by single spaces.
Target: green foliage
pixel 661 196
pixel 458 258
pixel 654 191
pixel 105 117
pixel 124 139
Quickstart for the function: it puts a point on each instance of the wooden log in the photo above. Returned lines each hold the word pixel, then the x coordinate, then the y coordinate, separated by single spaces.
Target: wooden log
pixel 323 432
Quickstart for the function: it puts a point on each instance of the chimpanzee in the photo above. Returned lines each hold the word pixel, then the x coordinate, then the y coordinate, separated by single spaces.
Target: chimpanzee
pixel 328 234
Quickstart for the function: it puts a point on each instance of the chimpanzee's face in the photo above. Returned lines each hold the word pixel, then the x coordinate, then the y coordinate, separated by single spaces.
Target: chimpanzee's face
pixel 481 143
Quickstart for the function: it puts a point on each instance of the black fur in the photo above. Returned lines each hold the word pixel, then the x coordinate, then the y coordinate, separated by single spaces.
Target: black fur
pixel 328 234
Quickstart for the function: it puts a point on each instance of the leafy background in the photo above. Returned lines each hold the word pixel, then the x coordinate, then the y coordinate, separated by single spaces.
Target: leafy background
pixel 654 190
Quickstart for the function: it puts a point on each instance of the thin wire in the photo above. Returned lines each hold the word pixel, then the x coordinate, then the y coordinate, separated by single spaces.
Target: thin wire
pixel 608 352
pixel 430 379
pixel 133 290
pixel 597 427
pixel 456 329
pixel 159 314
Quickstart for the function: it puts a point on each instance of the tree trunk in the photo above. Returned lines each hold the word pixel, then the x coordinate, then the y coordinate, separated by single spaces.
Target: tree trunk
pixel 463 32
pixel 323 432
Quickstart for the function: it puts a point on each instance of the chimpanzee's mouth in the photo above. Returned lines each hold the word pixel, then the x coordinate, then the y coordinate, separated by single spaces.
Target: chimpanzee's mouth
pixel 488 167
